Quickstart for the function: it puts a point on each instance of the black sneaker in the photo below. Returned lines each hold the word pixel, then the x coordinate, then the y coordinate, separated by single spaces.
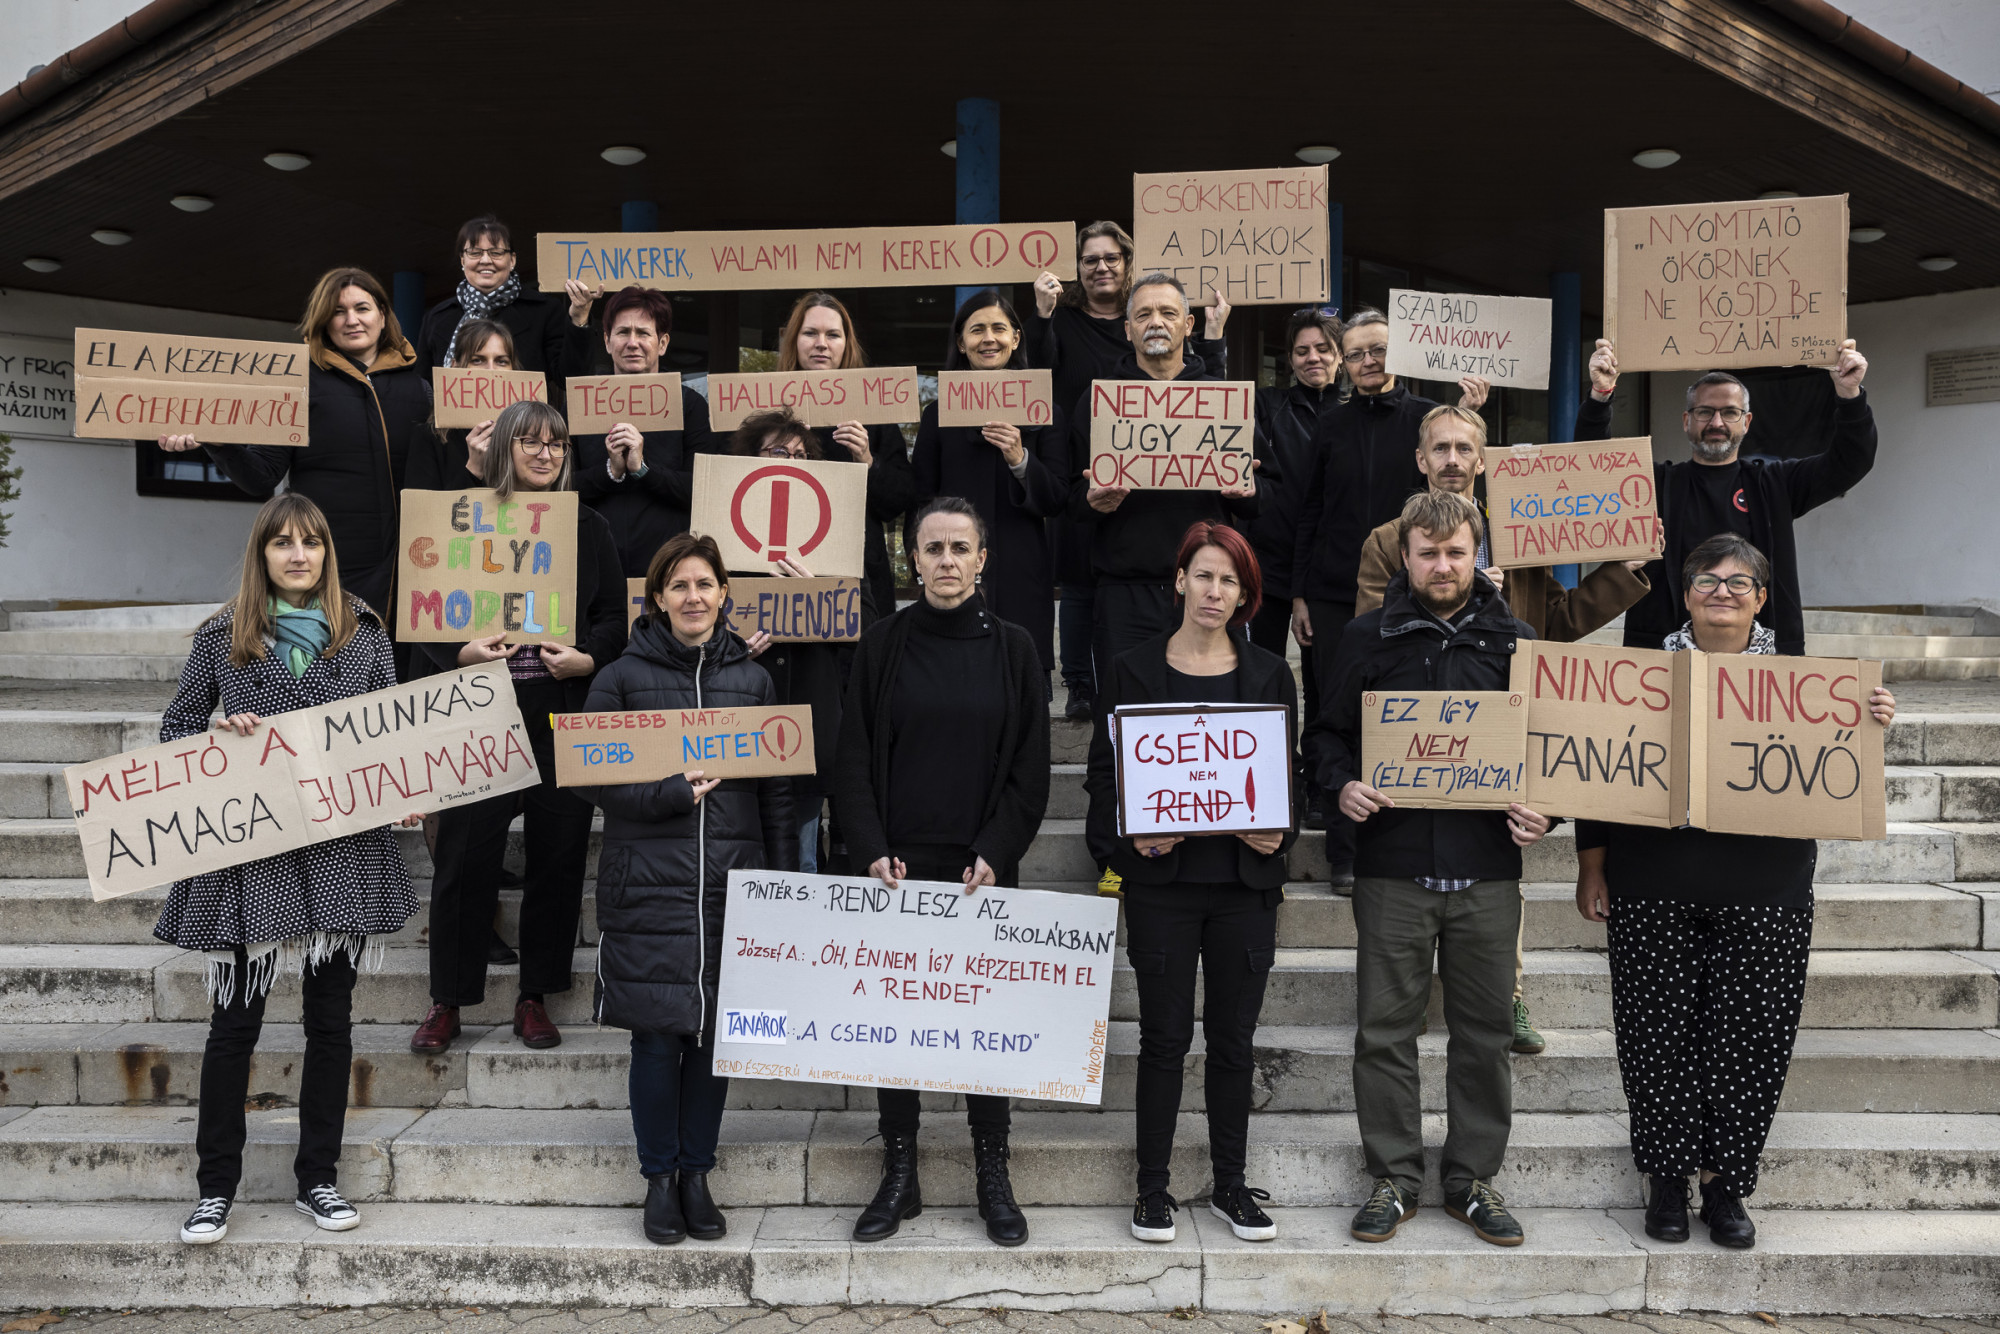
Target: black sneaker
pixel 1237 1206
pixel 1384 1213
pixel 1728 1222
pixel 1667 1207
pixel 1153 1216
pixel 324 1206
pixel 1482 1206
pixel 209 1221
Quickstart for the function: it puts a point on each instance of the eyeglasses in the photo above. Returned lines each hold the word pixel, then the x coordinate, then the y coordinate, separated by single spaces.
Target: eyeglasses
pixel 487 254
pixel 1325 312
pixel 1730 415
pixel 782 452
pixel 1379 352
pixel 1100 261
pixel 1742 585
pixel 554 449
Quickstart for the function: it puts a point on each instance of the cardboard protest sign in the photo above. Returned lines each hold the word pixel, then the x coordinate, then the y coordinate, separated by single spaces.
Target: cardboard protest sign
pixel 878 394
pixel 223 391
pixel 796 611
pixel 1456 749
pixel 968 255
pixel 597 403
pixel 974 398
pixel 1785 747
pixel 1172 435
pixel 645 746
pixel 150 817
pixel 761 511
pixel 1203 769
pixel 471 565
pixel 842 980
pixel 1557 504
pixel 469 395
pixel 1607 731
pixel 1444 335
pixel 1262 237
pixel 1759 282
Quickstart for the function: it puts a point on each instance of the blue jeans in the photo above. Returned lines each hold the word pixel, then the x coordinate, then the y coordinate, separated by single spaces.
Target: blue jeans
pixel 809 846
pixel 676 1102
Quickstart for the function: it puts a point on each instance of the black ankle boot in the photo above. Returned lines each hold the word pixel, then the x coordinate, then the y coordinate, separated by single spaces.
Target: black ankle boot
pixel 1722 1210
pixel 1667 1207
pixel 900 1195
pixel 704 1220
pixel 1004 1222
pixel 664 1224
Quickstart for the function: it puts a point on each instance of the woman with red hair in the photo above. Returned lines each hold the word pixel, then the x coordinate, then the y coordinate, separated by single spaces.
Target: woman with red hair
pixel 1207 899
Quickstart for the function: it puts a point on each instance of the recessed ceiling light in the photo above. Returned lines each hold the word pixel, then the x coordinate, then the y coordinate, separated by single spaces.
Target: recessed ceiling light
pixel 1937 263
pixel 949 148
pixel 1655 158
pixel 1779 194
pixel 41 263
pixel 1317 155
pixel 287 161
pixel 1866 235
pixel 623 155
pixel 110 236
pixel 193 203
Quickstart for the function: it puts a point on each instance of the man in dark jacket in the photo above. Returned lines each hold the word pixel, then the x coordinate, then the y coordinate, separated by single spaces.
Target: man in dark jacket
pixel 1429 883
pixel 1718 492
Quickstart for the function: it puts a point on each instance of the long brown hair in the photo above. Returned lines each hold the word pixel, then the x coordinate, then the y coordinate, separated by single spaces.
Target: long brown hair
pixel 251 611
pixel 526 418
pixel 325 299
pixel 851 355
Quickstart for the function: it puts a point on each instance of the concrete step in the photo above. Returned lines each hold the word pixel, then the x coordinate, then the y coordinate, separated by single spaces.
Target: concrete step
pixel 181 616
pixel 1901 646
pixel 1896 670
pixel 91 666
pixel 94 641
pixel 1833 622
pixel 72 736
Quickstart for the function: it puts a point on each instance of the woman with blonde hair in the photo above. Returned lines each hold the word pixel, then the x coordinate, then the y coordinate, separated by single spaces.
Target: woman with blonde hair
pixel 291 639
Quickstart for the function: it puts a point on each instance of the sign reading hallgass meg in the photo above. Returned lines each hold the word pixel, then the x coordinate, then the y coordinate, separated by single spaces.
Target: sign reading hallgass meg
pixel 1203 768
pixel 1172 435
pixel 874 395
pixel 1445 335
pixel 1261 237
pixel 762 511
pixel 1556 504
pixel 222 391
pixel 1446 748
pixel 471 565
pixel 835 980
pixel 646 745
pixel 1606 731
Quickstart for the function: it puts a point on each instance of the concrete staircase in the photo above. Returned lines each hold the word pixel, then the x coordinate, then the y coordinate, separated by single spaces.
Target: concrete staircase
pixel 496 1174
pixel 144 643
pixel 1914 643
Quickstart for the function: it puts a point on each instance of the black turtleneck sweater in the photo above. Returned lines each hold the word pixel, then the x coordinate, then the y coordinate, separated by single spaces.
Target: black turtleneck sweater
pixel 947 712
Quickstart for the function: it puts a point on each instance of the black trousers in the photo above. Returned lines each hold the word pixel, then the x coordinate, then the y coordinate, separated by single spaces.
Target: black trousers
pixel 1271 629
pixel 1234 936
pixel 225 1079
pixel 1329 619
pixel 898 1111
pixel 1705 998
pixel 465 889
pixel 1125 616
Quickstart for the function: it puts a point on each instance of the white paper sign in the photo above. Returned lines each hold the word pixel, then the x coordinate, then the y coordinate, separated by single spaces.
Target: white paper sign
pixel 1203 768
pixel 842 980
pixel 1446 335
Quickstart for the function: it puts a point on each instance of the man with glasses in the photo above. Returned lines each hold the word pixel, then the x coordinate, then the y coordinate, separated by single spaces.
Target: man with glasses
pixel 1717 491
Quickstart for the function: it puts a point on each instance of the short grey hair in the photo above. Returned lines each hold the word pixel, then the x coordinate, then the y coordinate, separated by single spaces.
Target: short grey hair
pixel 1154 280
pixel 1718 377
pixel 1722 547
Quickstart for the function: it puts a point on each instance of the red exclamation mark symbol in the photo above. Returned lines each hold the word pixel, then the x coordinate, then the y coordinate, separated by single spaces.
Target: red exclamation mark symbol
pixel 781 498
pixel 1250 790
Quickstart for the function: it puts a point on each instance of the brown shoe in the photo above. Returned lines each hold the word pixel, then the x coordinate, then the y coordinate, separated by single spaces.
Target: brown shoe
pixel 437 1030
pixel 533 1026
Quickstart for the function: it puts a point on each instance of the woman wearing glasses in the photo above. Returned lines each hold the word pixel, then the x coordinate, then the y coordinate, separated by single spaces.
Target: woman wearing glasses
pixel 489 288
pixel 1709 937
pixel 530 452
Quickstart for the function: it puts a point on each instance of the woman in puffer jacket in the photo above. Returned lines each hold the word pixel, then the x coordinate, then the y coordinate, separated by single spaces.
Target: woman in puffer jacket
pixel 662 877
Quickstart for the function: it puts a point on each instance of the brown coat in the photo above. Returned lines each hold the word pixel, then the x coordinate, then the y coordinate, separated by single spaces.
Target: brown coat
pixel 1559 614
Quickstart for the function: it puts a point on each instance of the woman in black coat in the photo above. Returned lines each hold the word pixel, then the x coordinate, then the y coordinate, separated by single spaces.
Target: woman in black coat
pixel 1013 475
pixel 491 289
pixel 1209 898
pixel 442 459
pixel 943 774
pixel 530 453
pixel 663 879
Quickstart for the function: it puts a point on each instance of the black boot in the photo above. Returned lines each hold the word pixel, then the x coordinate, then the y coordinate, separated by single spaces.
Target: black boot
pixel 1722 1210
pixel 900 1195
pixel 664 1224
pixel 1667 1207
pixel 1004 1222
pixel 704 1221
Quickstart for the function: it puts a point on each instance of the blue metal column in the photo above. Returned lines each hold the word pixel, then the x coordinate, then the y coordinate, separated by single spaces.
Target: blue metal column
pixel 406 295
pixel 1336 254
pixel 639 215
pixel 1565 370
pixel 978 167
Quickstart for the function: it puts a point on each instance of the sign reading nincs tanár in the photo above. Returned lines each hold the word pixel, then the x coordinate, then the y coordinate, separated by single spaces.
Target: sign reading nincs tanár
pixel 1172 435
pixel 1557 504
pixel 1203 768
pixel 150 817
pixel 471 565
pixel 646 745
pixel 974 398
pixel 838 980
pixel 1606 731
pixel 222 391
pixel 1263 238
pixel 761 511
pixel 1457 749
pixel 1445 335
pixel 876 395
pixel 469 395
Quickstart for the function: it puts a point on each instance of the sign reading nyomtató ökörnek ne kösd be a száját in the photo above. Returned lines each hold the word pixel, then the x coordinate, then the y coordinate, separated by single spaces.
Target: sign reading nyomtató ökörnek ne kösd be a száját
pixel 471 565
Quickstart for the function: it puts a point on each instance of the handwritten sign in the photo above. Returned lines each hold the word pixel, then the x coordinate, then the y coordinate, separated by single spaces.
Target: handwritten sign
pixel 790 610
pixel 833 980
pixel 469 395
pixel 1171 435
pixel 645 746
pixel 224 391
pixel 761 511
pixel 879 394
pixel 1444 335
pixel 974 398
pixel 471 565
pixel 1208 769
pixel 971 255
pixel 1606 731
pixel 1262 237
pixel 1759 282
pixel 1459 750
pixel 1554 504
pixel 151 817
pixel 597 403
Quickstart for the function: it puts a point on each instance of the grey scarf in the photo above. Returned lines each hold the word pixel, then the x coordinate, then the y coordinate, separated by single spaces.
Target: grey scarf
pixel 474 304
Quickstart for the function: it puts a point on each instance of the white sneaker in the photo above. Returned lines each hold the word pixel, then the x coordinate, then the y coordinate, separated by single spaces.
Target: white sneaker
pixel 209 1221
pixel 324 1206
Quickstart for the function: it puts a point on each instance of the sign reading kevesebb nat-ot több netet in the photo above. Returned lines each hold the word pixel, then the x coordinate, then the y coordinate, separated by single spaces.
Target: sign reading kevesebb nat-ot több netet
pixel 834 980
pixel 974 398
pixel 1263 237
pixel 872 396
pixel 1606 731
pixel 222 391
pixel 471 565
pixel 646 745
pixel 1172 435
pixel 469 395
pixel 1203 768
pixel 1446 335
pixel 761 511
pixel 150 817
pixel 1558 504
pixel 596 403
pixel 1465 750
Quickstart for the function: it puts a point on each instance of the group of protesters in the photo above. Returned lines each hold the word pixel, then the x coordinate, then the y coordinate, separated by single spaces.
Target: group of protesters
pixel 1358 533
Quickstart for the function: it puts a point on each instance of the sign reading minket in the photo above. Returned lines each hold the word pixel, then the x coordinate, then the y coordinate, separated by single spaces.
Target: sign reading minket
pixel 1261 237
pixel 1172 435
pixel 1465 750
pixel 1555 504
pixel 974 398
pixel 222 391
pixel 471 565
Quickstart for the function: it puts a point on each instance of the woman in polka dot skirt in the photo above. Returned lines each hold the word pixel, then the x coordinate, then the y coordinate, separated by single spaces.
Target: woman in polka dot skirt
pixel 1709 938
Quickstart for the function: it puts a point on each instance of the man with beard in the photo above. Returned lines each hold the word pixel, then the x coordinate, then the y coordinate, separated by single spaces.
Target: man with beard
pixel 1718 492
pixel 1441 884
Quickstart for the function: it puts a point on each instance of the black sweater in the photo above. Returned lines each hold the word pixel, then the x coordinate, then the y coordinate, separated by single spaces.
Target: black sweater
pixel 952 684
pixel 645 511
pixel 540 325
pixel 1363 467
pixel 1699 866
pixel 1289 419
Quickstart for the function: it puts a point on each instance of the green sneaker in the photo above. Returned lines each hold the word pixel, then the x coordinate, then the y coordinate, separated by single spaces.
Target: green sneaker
pixel 1482 1206
pixel 1384 1213
pixel 1527 1042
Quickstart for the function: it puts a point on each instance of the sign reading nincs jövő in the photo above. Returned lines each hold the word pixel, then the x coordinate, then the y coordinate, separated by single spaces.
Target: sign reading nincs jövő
pixel 1446 335
pixel 1262 237
pixel 469 395
pixel 974 398
pixel 838 980
pixel 646 745
pixel 1606 731
pixel 223 391
pixel 471 565
pixel 1202 768
pixel 150 817
pixel 970 255
pixel 1557 504
pixel 876 395
pixel 791 610
pixel 761 511
pixel 1456 749
pixel 596 403
pixel 1172 435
